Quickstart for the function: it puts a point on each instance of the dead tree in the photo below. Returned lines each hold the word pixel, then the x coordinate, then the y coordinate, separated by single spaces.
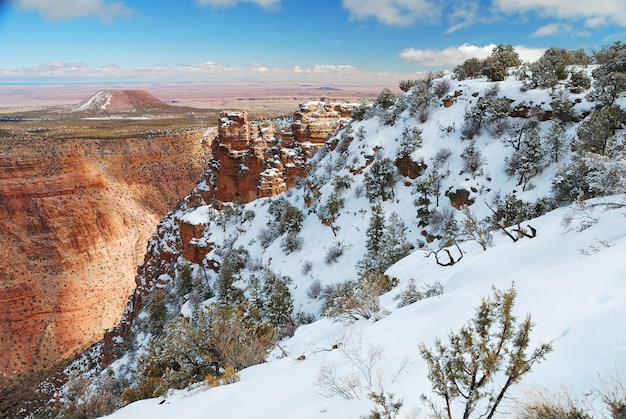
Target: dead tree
pixel 451 260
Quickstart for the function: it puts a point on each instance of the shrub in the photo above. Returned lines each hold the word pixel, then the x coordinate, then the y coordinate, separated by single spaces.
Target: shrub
pixel 489 346
pixel 473 160
pixel 470 69
pixel 578 82
pixel 539 403
pixel 406 85
pixel 441 88
pixel 216 337
pixel 411 294
pixel 385 99
pixel 335 251
pixel 291 243
pixel 315 289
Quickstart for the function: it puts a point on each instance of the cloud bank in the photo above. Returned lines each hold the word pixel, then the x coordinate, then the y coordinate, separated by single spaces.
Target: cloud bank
pixel 453 56
pixel 59 71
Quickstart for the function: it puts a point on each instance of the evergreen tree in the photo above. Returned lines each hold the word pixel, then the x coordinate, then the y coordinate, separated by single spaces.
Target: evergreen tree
pixel 411 141
pixel 371 261
pixel 484 358
pixel 394 244
pixel 472 160
pixel 527 162
pixel 278 306
pixel 379 180
pixel 595 133
pixel 555 141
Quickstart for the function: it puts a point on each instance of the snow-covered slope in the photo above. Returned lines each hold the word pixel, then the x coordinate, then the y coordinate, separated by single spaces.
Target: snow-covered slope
pixel 572 283
pixel 569 279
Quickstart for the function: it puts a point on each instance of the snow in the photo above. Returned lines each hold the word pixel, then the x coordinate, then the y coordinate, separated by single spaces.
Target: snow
pixel 570 281
pixel 576 302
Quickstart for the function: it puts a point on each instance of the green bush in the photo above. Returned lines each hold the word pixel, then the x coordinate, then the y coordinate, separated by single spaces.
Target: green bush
pixel 484 358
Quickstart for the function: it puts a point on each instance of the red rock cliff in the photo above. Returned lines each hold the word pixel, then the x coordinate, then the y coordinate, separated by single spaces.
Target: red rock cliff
pixel 74 220
pixel 252 160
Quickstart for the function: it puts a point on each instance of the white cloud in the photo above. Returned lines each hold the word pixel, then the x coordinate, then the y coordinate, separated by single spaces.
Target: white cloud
pixel 592 13
pixel 55 10
pixel 266 4
pixel 453 56
pixel 558 29
pixel 394 12
pixel 59 71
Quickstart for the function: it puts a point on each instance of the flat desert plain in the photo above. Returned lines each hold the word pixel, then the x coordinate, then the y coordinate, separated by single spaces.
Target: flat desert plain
pixel 273 98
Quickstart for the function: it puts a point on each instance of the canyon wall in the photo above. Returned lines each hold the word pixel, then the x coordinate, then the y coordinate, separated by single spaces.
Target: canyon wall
pixel 75 217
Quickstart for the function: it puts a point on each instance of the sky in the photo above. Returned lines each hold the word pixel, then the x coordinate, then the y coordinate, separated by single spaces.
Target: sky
pixel 360 41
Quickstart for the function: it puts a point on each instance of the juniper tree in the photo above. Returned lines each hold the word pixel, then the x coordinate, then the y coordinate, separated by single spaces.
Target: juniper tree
pixel 484 358
pixel 473 160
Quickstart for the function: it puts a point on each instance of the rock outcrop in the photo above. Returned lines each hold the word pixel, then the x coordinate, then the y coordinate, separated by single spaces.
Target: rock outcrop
pixel 251 160
pixel 74 219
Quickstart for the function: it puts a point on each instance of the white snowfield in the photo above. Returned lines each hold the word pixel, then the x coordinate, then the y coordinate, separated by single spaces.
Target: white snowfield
pixel 572 283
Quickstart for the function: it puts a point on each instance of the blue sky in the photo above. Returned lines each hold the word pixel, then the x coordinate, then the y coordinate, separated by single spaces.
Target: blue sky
pixel 364 41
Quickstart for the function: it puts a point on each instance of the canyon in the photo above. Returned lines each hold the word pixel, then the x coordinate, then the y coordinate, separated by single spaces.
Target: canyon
pixel 76 215
pixel 74 219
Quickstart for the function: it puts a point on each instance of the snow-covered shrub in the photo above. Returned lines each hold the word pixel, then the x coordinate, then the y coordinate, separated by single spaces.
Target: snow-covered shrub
pixel 470 69
pixel 502 57
pixel 411 294
pixel 291 242
pixel 385 99
pixel 190 349
pixel 490 112
pixel 406 85
pixel 411 140
pixel 315 289
pixel 578 82
pixel 334 252
pixel 354 300
pixel 441 88
pixel 475 229
pixel 473 160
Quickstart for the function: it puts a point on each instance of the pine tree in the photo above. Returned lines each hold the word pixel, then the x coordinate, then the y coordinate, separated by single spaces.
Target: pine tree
pixel 278 307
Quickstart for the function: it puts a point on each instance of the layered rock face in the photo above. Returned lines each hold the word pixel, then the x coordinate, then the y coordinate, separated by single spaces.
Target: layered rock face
pixel 74 220
pixel 253 160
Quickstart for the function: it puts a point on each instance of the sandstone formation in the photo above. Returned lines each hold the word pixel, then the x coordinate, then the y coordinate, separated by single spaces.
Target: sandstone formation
pixel 74 219
pixel 251 160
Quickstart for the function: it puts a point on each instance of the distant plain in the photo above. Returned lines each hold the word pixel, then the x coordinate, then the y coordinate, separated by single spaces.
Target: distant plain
pixel 268 99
